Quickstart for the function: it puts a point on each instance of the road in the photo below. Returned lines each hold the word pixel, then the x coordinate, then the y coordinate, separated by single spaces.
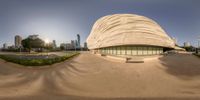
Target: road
pixel 90 77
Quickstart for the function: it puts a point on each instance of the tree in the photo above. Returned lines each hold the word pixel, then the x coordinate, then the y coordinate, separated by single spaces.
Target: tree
pixel 190 48
pixel 49 46
pixel 26 43
pixel 29 43
pixel 62 47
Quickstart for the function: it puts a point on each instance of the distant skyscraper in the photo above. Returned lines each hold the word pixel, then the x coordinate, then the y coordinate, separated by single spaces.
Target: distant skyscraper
pixel 187 44
pixel 79 41
pixel 73 44
pixel 76 44
pixel 85 45
pixel 199 42
pixel 5 46
pixel 68 46
pixel 54 44
pixel 18 41
pixel 175 41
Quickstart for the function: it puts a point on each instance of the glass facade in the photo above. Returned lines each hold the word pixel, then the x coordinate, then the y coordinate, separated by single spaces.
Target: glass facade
pixel 131 50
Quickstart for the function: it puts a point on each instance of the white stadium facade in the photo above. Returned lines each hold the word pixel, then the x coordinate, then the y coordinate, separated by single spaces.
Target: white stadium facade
pixel 128 34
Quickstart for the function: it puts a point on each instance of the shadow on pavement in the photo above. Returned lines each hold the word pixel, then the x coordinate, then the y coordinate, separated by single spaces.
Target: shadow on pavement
pixel 53 80
pixel 70 97
pixel 183 66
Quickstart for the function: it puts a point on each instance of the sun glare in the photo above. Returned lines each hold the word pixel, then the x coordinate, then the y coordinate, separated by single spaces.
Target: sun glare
pixel 47 41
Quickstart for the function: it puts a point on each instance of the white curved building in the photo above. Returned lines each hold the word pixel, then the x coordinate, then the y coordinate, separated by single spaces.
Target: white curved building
pixel 128 34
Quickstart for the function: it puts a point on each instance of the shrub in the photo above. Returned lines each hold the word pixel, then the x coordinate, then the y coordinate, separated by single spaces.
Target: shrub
pixel 37 62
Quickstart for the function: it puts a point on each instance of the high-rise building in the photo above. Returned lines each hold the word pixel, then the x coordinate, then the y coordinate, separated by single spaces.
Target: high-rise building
pixel 76 44
pixel 68 46
pixel 54 44
pixel 175 41
pixel 186 44
pixel 73 44
pixel 5 46
pixel 78 41
pixel 85 45
pixel 18 41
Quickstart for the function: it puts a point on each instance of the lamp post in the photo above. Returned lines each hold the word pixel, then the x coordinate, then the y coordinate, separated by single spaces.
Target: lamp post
pixel 75 45
pixel 198 47
pixel 47 47
pixel 68 47
pixel 199 42
pixel 20 50
pixel 47 50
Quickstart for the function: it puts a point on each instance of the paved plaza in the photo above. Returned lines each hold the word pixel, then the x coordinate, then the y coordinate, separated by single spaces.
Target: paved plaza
pixel 91 77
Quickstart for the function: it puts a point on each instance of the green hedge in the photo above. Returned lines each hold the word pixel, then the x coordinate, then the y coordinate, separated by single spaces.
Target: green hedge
pixel 37 62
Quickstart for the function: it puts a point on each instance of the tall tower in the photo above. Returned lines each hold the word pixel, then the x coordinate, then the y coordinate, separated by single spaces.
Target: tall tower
pixel 85 45
pixel 54 44
pixel 5 46
pixel 73 44
pixel 186 44
pixel 18 41
pixel 79 41
pixel 175 40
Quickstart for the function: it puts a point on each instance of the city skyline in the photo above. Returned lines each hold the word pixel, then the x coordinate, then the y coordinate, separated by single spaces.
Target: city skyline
pixel 17 40
pixel 61 20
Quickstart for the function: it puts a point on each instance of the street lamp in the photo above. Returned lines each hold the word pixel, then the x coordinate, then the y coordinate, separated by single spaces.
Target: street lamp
pixel 20 50
pixel 75 45
pixel 198 41
pixel 47 46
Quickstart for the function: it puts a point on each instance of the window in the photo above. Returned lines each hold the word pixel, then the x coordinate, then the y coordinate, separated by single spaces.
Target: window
pixel 110 51
pixel 123 50
pixel 158 51
pixel 161 50
pixel 134 50
pixel 131 50
pixel 128 51
pixel 118 51
pixel 114 51
pixel 150 52
pixel 154 50
pixel 139 50
pixel 145 50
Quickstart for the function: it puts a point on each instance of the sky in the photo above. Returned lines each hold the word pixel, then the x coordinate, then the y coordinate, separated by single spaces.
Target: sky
pixel 62 20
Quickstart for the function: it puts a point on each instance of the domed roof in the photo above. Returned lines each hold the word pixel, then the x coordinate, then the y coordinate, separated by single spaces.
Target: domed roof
pixel 127 29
